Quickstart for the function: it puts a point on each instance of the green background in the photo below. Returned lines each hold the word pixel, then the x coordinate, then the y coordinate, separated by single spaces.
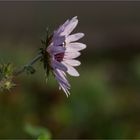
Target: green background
pixel 104 100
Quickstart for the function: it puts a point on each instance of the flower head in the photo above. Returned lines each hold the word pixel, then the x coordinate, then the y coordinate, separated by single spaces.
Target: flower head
pixel 6 76
pixel 62 50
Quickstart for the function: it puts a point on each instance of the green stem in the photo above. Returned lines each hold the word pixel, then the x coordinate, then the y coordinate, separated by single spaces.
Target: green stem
pixel 34 60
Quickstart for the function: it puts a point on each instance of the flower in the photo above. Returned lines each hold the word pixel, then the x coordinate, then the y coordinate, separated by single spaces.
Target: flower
pixel 6 76
pixel 63 50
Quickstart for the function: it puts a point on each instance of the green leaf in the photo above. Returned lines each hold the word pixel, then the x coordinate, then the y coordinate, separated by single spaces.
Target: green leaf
pixel 44 137
pixel 40 132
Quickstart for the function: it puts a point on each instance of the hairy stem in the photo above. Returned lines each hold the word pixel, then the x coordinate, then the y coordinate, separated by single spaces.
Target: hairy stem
pixel 34 60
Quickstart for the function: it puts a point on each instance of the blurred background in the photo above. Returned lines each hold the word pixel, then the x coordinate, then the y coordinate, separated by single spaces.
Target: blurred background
pixel 104 100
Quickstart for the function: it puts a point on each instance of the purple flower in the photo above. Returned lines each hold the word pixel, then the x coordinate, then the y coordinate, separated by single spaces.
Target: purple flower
pixel 63 50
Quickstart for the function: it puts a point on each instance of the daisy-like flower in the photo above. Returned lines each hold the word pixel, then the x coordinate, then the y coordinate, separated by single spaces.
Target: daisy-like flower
pixel 62 53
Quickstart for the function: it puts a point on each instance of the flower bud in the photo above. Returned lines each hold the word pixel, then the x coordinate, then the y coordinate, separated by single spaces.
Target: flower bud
pixel 6 76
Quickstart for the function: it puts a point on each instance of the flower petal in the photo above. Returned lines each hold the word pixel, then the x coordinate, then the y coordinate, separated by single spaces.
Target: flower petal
pixel 68 50
pixel 58 40
pixel 70 27
pixel 63 83
pixel 61 77
pixel 72 62
pixel 70 55
pixel 58 65
pixel 62 27
pixel 55 49
pixel 74 37
pixel 77 46
pixel 65 90
pixel 71 70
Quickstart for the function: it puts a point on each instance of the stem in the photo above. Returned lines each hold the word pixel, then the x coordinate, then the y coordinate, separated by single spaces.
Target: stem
pixel 34 60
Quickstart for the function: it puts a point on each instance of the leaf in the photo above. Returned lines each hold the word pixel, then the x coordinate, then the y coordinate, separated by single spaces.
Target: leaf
pixel 40 132
pixel 44 137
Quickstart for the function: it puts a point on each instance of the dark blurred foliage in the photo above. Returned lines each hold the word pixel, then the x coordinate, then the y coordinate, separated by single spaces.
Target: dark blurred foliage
pixel 104 100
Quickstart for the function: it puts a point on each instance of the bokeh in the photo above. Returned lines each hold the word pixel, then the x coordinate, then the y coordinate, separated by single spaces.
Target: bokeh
pixel 104 100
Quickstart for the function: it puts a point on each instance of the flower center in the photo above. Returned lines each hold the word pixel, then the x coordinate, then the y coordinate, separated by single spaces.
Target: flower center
pixel 59 57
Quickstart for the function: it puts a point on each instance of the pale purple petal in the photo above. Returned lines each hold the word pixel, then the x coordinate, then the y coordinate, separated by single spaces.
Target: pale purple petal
pixel 65 89
pixel 70 55
pixel 58 40
pixel 62 27
pixel 77 46
pixel 64 84
pixel 72 62
pixel 56 49
pixel 71 70
pixel 70 27
pixel 62 81
pixel 69 50
pixel 74 37
pixel 62 78
pixel 58 65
